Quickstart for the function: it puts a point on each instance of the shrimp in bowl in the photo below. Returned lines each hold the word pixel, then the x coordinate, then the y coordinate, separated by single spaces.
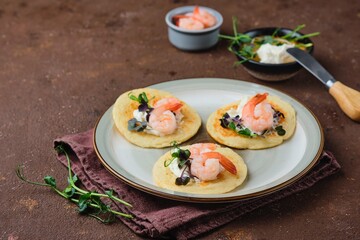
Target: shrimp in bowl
pixel 193 28
pixel 196 20
pixel 153 118
pixel 253 122
pixel 202 168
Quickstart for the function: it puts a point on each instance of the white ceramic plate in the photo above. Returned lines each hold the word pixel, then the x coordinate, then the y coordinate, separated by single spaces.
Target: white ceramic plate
pixel 268 170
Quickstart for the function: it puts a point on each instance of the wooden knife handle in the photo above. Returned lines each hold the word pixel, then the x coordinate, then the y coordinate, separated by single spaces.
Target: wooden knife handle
pixel 348 99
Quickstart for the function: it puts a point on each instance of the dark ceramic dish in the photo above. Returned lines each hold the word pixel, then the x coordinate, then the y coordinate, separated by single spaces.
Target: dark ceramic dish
pixel 273 72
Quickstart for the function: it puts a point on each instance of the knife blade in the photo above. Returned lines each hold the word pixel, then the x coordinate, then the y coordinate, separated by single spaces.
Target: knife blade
pixel 347 98
pixel 312 65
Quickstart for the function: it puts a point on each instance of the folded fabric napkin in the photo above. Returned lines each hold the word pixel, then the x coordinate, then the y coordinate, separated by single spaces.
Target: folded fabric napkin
pixel 156 217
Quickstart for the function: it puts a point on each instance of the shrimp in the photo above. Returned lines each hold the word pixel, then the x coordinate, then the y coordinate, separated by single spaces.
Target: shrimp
pixel 205 169
pixel 197 20
pixel 257 114
pixel 162 119
pixel 188 23
pixel 207 164
pixel 203 16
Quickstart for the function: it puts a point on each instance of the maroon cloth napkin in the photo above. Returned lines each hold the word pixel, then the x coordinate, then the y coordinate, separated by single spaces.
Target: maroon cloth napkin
pixel 156 217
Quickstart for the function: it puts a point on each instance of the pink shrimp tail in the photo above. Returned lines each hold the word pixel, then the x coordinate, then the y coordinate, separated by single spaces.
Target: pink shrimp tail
pixel 171 107
pixel 175 106
pixel 196 10
pixel 224 161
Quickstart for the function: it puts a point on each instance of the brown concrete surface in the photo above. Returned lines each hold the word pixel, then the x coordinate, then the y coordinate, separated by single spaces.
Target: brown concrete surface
pixel 63 63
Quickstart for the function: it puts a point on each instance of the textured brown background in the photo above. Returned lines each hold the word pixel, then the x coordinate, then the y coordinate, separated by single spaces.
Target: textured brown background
pixel 63 63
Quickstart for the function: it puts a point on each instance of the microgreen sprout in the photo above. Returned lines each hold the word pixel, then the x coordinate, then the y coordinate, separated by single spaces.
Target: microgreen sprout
pixel 182 157
pixel 88 202
pixel 143 101
pixel 144 107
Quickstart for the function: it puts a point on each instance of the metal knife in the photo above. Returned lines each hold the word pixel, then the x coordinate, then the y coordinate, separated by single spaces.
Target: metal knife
pixel 347 98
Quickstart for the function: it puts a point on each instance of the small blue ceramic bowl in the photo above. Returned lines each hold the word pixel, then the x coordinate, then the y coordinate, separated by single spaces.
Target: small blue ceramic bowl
pixel 193 40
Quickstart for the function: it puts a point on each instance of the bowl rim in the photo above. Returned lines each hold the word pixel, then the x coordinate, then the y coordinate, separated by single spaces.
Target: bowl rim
pixel 310 50
pixel 186 9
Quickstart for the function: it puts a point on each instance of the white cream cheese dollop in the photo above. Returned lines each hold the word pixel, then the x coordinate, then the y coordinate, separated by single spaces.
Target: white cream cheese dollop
pixel 233 112
pixel 176 170
pixel 140 116
pixel 274 54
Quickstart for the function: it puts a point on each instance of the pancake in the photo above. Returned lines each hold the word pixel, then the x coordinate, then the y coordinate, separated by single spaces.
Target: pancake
pixel 230 138
pixel 226 182
pixel 123 112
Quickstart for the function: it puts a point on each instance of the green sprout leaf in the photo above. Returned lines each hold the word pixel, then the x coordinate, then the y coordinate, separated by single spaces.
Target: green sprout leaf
pixel 109 193
pixel 69 191
pixel 280 131
pixel 182 180
pixel 50 180
pixel 135 125
pixel 268 39
pixel 245 132
pixel 84 200
pixel 143 98
pixel 132 97
pixel 232 126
